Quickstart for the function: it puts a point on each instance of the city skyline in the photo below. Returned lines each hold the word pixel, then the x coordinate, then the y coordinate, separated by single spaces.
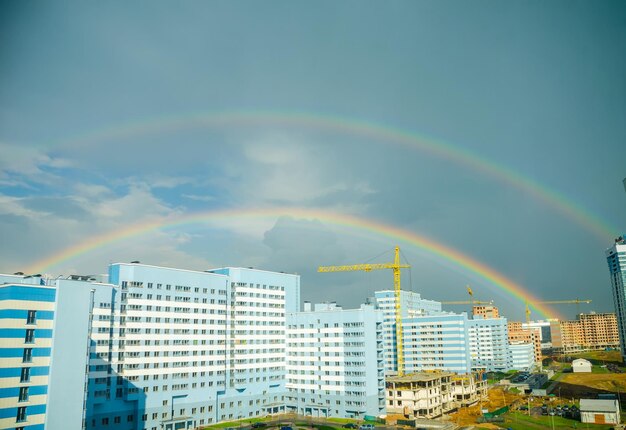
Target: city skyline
pixel 222 134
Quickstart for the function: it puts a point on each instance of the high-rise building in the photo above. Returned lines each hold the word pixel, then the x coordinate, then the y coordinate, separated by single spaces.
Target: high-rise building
pixel 599 330
pixel 439 341
pixel 616 259
pixel 411 305
pixel 587 332
pixel 489 344
pixel 335 361
pixel 176 348
pixel 44 351
pixel 26 323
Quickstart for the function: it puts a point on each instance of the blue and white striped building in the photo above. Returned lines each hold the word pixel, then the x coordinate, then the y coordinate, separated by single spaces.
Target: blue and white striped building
pixel 45 335
pixel 439 341
pixel 411 305
pixel 26 323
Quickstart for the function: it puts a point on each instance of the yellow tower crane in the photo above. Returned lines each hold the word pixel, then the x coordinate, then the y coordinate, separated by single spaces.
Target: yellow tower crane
pixel 395 266
pixel 554 302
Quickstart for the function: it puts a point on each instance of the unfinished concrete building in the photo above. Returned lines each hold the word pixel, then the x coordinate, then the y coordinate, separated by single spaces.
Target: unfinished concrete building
pixel 468 389
pixel 420 395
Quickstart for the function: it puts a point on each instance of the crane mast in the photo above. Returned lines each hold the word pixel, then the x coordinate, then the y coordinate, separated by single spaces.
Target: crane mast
pixel 395 267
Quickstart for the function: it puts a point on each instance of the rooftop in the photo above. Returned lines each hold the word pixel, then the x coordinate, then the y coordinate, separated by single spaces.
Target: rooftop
pixel 421 376
pixel 593 405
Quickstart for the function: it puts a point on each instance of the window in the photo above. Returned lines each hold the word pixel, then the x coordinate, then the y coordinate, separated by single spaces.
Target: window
pixel 105 421
pixel 30 336
pixel 23 394
pixel 32 317
pixel 25 375
pixel 21 414
pixel 27 357
pixel 117 420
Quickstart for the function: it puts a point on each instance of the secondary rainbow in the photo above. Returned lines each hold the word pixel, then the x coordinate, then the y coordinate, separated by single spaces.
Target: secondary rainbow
pixel 370 130
pixel 429 245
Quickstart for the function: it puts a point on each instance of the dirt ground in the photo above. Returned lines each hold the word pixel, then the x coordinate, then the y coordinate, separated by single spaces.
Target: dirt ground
pixel 497 398
pixel 579 383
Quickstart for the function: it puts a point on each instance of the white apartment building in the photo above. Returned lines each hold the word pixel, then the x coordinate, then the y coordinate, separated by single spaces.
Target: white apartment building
pixel 411 305
pixel 489 344
pixel 175 348
pixel 522 355
pixel 335 363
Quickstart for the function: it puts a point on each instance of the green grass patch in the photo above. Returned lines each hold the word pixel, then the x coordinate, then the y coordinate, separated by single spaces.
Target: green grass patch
pixel 342 420
pixel 520 421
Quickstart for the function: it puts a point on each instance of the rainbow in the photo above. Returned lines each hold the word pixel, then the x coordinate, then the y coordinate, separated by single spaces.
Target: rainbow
pixel 396 234
pixel 369 130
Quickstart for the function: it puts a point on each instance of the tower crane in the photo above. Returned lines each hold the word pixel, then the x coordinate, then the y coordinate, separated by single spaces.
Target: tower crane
pixel 554 302
pixel 395 267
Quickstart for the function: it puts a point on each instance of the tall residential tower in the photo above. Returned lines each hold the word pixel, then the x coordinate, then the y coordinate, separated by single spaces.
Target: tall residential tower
pixel 616 258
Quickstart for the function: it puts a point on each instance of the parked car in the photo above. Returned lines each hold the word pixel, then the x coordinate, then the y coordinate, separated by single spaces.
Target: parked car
pixel 366 427
pixel 286 428
pixel 258 425
pixel 349 426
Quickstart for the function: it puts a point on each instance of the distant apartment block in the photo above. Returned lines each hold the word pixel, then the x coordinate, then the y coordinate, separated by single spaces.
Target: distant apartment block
pixel 588 332
pixel 437 342
pixel 335 362
pixel 411 305
pixel 485 312
pixel 600 330
pixel 616 259
pixel 522 355
pixel 543 327
pixel 518 334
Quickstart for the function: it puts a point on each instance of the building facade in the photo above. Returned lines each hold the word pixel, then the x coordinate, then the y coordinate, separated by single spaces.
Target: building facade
pixel 44 351
pixel 518 334
pixel 599 330
pixel 485 311
pixel 176 348
pixel 489 345
pixel 439 341
pixel 411 305
pixel 616 259
pixel 335 362
pixel 26 326
pixel 421 395
pixel 588 332
pixel 543 327
pixel 522 355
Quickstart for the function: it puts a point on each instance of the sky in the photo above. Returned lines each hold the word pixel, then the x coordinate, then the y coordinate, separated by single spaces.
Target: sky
pixel 244 131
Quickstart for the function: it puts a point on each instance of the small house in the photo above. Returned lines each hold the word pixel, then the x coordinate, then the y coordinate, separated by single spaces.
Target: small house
pixel 599 411
pixel 580 365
